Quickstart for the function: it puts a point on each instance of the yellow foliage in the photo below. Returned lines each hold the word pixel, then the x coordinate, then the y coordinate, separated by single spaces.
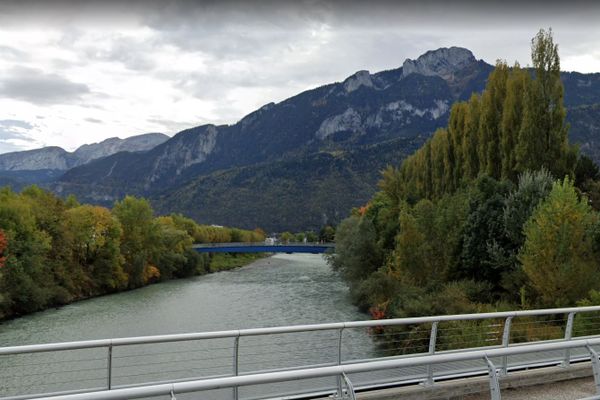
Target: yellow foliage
pixel 151 274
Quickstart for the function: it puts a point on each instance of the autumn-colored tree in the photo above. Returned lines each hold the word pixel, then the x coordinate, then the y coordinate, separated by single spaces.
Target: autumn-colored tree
pixel 94 237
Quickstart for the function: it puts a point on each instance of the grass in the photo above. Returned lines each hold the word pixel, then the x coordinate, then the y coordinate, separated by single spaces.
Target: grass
pixel 225 261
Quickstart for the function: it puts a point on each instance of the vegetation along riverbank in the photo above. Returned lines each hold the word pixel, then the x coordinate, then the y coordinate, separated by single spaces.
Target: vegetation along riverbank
pixel 54 251
pixel 496 211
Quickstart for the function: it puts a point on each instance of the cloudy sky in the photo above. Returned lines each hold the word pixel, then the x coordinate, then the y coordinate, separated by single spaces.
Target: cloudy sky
pixel 79 72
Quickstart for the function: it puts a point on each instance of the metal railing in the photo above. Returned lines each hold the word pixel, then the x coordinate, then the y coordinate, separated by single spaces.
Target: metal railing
pixel 128 362
pixel 484 357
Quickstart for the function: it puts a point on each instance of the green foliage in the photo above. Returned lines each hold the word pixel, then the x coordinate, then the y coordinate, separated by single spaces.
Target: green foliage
pixel 357 254
pixel 558 254
pixel 224 261
pixel 53 251
pixel 484 234
pixel 286 237
pixel 516 125
pixel 474 220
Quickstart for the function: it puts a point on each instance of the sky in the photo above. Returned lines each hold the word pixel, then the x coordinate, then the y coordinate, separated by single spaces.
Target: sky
pixel 77 72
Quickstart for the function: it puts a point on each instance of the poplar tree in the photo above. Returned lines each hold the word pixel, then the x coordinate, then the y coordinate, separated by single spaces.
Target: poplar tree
pixel 492 102
pixel 543 132
pixel 512 116
pixel 471 137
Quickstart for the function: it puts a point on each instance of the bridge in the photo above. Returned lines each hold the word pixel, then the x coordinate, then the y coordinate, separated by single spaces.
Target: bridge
pixel 261 247
pixel 308 361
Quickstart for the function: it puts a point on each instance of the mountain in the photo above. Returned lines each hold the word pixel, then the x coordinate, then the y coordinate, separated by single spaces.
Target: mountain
pixel 89 152
pixel 308 159
pixel 47 164
pixel 56 158
pixel 364 109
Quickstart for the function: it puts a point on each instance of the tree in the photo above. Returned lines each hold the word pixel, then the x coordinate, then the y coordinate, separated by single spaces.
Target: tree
pixel 27 281
pixel 492 102
pixel 558 256
pixel 327 233
pixel 357 254
pixel 585 170
pixel 532 188
pixel 311 237
pixel 94 236
pixel 139 238
pixel 543 133
pixel 518 81
pixel 484 235
pixel 286 237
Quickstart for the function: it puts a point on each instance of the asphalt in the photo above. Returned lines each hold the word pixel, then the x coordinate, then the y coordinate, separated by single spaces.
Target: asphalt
pixel 567 390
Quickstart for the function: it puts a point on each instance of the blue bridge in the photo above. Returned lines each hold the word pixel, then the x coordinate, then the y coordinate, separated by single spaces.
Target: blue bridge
pixel 261 247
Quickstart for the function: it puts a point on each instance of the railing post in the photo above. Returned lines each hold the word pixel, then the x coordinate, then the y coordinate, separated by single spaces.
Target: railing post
pixel 349 386
pixel 432 342
pixel 568 335
pixel 236 363
pixel 494 382
pixel 340 390
pixel 109 368
pixel 505 343
pixel 595 367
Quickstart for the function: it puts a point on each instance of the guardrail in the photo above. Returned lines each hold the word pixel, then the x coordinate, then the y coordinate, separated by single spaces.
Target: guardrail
pixel 485 358
pixel 127 362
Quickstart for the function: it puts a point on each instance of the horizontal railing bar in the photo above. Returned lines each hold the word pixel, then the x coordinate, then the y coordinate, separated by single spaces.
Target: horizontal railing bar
pixel 274 377
pixel 88 344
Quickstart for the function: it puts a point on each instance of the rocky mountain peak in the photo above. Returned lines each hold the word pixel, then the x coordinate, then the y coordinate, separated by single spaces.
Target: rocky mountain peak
pixel 443 62
pixel 360 78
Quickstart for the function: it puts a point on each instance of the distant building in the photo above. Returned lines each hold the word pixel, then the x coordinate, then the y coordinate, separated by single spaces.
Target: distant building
pixel 270 241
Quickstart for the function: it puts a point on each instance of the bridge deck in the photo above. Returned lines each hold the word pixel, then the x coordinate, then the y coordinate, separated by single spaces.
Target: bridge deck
pixel 311 248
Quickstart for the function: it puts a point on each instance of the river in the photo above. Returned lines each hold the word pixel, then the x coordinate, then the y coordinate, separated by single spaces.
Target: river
pixel 285 289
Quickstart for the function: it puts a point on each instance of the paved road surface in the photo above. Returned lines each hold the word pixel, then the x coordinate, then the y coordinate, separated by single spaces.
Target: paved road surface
pixel 567 390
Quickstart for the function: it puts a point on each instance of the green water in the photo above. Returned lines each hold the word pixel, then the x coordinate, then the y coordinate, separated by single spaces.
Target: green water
pixel 279 290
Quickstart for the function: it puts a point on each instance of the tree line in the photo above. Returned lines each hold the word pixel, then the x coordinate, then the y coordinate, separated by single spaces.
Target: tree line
pixel 55 251
pixel 497 211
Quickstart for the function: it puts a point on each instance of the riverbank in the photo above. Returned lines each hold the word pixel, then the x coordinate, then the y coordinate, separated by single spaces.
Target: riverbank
pixel 226 261
pixel 217 262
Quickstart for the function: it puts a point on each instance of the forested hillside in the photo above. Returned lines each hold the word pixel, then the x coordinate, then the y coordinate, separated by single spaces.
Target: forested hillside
pixel 53 252
pixel 495 211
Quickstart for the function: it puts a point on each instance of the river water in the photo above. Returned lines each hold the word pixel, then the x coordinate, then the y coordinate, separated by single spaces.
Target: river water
pixel 279 290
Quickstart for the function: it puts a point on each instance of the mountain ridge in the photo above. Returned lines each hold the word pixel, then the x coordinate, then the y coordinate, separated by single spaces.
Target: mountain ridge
pixel 57 158
pixel 393 111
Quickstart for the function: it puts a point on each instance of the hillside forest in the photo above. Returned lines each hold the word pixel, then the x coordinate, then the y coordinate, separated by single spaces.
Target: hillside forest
pixel 497 211
pixel 54 251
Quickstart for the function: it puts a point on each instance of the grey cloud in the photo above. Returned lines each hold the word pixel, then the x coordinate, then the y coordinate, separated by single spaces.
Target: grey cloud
pixel 8 146
pixel 175 126
pixel 131 53
pixel 14 123
pixel 12 130
pixel 93 120
pixel 38 87
pixel 11 53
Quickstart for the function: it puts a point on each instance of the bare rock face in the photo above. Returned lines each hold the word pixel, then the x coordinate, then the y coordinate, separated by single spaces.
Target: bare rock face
pixel 89 152
pixel 56 158
pixel 193 148
pixel 44 158
pixel 443 62
pixel 361 78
